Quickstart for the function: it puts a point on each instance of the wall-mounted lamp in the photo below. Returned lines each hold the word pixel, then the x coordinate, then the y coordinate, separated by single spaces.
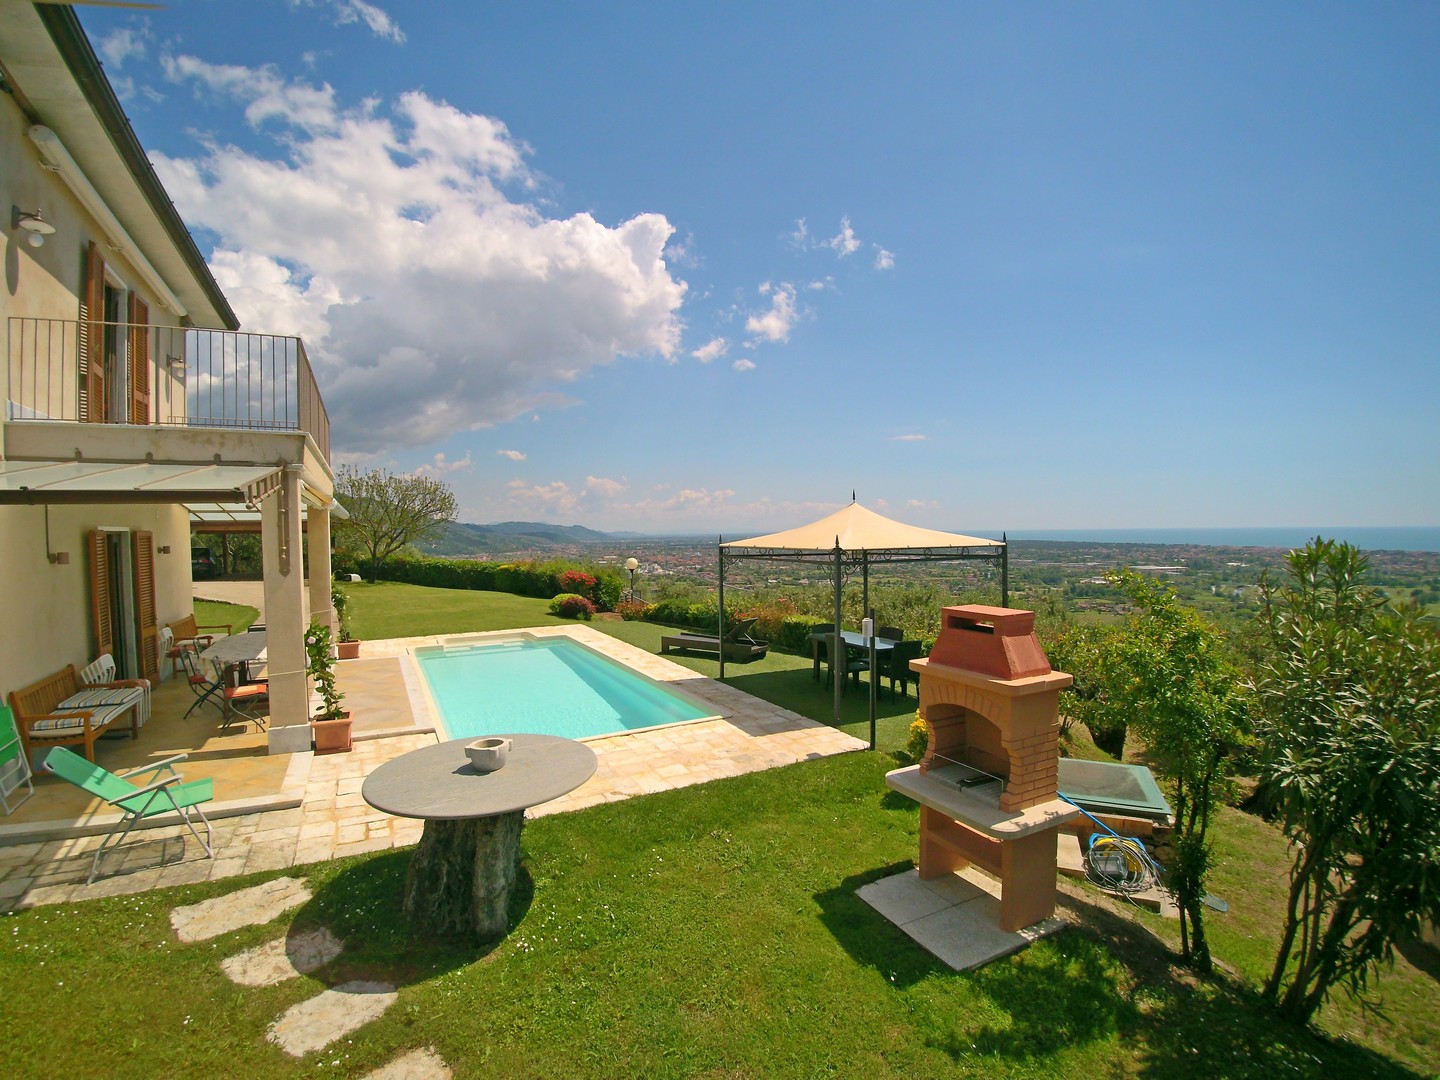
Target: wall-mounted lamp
pixel 32 222
pixel 57 558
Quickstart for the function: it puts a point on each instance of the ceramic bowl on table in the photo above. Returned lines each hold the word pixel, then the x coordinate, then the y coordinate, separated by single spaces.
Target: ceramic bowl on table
pixel 487 755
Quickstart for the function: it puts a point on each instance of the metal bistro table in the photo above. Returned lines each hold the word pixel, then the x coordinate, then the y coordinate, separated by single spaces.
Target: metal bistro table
pixel 464 867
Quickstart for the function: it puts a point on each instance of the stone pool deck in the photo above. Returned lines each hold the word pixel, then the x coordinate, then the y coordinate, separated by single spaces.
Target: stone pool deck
pixel 302 808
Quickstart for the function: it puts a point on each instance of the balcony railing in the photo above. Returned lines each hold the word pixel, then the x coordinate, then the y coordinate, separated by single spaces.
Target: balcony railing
pixel 64 369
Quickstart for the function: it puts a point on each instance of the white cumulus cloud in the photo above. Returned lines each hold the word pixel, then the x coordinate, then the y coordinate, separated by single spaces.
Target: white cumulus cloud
pixel 845 241
pixel 513 455
pixel 433 299
pixel 744 365
pixel 907 438
pixel 439 466
pixel 121 44
pixel 379 23
pixel 604 486
pixel 884 260
pixel 711 350
pixel 776 323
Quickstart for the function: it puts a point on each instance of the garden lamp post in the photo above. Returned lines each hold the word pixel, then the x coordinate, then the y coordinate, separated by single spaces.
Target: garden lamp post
pixel 632 565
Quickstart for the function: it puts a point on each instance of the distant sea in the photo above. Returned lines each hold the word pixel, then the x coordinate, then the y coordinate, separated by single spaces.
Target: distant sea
pixel 1365 537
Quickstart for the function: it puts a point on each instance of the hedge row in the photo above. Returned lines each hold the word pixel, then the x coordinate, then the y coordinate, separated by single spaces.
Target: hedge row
pixel 540 580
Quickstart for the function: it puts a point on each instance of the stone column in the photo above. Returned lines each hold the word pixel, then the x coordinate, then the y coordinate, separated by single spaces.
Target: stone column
pixel 285 622
pixel 317 546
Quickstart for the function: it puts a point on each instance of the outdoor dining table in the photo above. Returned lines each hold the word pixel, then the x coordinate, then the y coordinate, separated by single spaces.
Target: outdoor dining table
pixel 853 640
pixel 232 656
pixel 465 865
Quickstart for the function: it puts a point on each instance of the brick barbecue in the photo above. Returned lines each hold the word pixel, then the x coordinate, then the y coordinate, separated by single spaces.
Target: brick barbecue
pixel 987 783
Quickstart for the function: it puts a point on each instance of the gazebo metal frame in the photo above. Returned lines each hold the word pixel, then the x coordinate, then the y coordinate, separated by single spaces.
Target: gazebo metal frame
pixel 840 558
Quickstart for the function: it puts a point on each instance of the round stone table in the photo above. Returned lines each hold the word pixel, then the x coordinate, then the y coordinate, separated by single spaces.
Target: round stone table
pixel 465 864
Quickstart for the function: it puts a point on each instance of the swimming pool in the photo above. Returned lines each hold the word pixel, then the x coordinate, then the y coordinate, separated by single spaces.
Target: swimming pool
pixel 544 686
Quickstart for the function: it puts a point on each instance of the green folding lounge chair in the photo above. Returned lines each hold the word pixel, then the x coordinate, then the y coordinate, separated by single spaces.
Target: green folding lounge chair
pixel 14 762
pixel 162 795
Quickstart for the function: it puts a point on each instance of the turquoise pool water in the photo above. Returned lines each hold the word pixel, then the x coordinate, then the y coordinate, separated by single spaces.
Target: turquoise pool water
pixel 544 686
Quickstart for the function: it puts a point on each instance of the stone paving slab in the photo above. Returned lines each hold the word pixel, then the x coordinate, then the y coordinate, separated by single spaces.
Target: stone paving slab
pixel 421 1064
pixel 284 958
pixel 332 1014
pixel 955 917
pixel 246 907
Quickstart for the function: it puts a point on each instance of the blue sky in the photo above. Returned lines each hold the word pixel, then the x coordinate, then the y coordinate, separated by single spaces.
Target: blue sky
pixel 665 268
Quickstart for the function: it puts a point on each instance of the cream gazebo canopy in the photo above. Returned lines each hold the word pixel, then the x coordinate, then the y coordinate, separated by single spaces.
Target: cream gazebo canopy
pixel 854 535
pixel 855 530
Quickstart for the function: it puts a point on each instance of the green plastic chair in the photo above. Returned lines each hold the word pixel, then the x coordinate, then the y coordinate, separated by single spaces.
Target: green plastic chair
pixel 162 795
pixel 14 762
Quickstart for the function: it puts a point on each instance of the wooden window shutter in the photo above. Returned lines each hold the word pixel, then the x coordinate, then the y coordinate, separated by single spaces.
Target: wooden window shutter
pixel 146 623
pixel 92 338
pixel 139 361
pixel 100 593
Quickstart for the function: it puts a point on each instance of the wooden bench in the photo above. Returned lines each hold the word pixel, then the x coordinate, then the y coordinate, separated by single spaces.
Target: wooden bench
pixel 185 630
pixel 47 714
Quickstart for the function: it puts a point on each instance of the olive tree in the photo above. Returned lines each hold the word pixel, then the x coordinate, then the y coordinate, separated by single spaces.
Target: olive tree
pixel 1167 671
pixel 1348 713
pixel 389 511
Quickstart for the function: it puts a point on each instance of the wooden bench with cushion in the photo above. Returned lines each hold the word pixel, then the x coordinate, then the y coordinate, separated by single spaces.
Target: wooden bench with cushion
pixel 60 710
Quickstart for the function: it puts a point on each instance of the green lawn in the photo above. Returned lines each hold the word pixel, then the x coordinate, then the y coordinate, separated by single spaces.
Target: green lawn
pixel 712 931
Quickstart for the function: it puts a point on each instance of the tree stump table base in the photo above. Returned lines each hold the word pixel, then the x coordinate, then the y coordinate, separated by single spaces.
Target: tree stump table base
pixel 461 875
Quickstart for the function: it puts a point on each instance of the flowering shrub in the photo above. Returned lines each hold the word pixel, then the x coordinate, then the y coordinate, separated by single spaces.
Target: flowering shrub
pixel 769 617
pixel 572 606
pixel 633 610
pixel 320 655
pixel 919 740
pixel 577 581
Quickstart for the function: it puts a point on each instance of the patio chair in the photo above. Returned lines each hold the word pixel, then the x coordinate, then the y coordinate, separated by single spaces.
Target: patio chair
pixel 230 699
pixel 161 795
pixel 100 674
pixel 854 661
pixel 896 664
pixel 14 762
pixel 890 633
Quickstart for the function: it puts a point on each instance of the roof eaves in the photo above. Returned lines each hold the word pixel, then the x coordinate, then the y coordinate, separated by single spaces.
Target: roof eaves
pixel 65 30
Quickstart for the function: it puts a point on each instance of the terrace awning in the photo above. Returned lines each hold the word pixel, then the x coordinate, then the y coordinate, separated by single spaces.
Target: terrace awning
pixel 36 482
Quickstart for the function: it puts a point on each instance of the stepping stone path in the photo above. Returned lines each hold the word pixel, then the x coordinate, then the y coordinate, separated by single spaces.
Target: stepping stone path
pixel 281 959
pixel 332 1014
pixel 422 1064
pixel 248 907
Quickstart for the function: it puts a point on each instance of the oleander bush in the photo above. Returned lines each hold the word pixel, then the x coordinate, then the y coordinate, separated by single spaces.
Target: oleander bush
pixel 634 610
pixel 572 606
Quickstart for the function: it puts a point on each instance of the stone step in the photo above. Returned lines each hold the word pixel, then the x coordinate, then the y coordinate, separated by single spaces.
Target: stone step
pixel 332 1014
pixel 284 958
pixel 421 1064
pixel 247 907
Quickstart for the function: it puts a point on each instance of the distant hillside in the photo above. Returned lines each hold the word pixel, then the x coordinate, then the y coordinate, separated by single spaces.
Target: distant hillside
pixel 503 536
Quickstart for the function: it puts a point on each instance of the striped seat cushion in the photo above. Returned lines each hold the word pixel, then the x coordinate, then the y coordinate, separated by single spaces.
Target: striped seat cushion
pixel 60 725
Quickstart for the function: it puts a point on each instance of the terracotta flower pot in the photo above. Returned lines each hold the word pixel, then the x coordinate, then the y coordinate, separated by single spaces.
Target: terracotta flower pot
pixel 349 650
pixel 331 736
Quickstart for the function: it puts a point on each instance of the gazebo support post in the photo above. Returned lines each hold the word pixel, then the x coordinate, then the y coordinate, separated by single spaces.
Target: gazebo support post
pixel 1005 570
pixel 837 643
pixel 870 614
pixel 720 634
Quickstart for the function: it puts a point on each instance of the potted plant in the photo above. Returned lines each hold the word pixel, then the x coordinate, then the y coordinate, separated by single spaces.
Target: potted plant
pixel 330 726
pixel 349 648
